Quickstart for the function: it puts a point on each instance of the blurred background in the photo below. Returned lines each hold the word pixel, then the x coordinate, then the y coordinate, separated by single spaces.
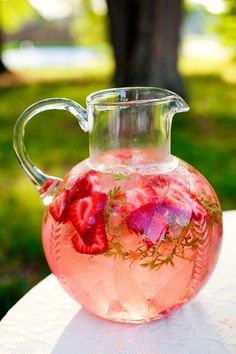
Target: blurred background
pixel 70 48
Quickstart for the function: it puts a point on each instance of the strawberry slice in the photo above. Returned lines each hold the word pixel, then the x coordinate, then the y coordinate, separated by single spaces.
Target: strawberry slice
pixel 58 207
pixel 138 196
pixel 178 204
pixel 48 186
pixel 140 219
pixel 199 212
pixel 92 242
pixel 158 226
pixel 84 212
pixel 160 184
pixel 184 204
pixel 124 154
pixel 84 186
pixel 149 220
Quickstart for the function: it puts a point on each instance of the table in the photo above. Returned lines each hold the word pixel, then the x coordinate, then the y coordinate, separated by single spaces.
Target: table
pixel 47 320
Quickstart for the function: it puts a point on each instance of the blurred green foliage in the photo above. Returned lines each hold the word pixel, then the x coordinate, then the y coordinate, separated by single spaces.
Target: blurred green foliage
pixel 15 13
pixel 227 25
pixel 220 25
pixel 90 27
pixel 205 137
pixel 87 22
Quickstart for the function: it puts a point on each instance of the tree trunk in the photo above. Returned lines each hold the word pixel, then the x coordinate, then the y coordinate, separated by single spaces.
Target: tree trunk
pixel 145 37
pixel 3 68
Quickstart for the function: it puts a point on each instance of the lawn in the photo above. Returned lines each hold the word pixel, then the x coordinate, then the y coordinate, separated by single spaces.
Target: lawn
pixel 205 137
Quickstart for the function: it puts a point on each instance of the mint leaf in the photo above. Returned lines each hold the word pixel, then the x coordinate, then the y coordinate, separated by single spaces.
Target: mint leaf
pixel 119 176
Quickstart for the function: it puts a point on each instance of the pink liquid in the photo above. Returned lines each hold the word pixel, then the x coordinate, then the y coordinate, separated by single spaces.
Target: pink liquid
pixel 144 274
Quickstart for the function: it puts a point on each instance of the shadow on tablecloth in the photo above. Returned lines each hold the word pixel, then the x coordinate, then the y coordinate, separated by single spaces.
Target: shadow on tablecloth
pixel 188 331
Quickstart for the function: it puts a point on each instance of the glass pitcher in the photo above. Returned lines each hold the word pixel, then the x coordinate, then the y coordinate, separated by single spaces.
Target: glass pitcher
pixel 132 232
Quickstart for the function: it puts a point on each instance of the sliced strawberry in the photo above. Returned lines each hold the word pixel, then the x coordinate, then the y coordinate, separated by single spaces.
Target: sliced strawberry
pixel 84 186
pixel 198 209
pixel 177 203
pixel 92 242
pixel 172 203
pixel 123 154
pixel 58 207
pixel 48 186
pixel 85 212
pixel 138 196
pixel 158 226
pixel 184 204
pixel 139 220
pixel 160 184
pixel 151 220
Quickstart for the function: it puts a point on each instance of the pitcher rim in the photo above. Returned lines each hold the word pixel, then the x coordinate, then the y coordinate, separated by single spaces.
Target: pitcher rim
pixel 170 95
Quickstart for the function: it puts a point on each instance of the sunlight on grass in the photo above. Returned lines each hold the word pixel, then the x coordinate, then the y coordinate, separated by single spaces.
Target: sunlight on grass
pixel 206 57
pixel 57 74
pixel 223 68
pixel 188 66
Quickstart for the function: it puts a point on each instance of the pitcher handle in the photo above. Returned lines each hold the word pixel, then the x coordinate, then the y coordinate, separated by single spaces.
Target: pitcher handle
pixel 45 184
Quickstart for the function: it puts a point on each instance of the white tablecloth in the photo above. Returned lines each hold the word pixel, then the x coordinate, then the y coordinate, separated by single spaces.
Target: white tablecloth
pixel 47 320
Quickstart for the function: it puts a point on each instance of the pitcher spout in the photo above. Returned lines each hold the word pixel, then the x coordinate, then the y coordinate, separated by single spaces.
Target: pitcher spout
pixel 179 105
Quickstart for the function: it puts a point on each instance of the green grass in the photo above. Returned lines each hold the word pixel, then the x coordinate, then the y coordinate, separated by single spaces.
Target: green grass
pixel 205 138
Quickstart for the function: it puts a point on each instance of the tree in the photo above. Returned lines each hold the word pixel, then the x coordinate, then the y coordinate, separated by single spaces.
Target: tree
pixel 145 37
pixel 3 68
